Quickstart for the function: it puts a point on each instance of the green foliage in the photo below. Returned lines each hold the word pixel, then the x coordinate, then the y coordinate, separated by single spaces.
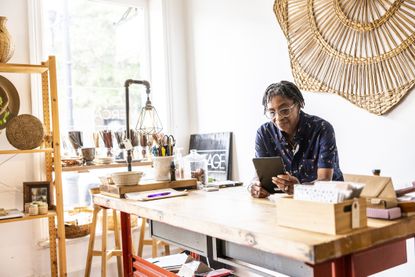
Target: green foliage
pixel 98 64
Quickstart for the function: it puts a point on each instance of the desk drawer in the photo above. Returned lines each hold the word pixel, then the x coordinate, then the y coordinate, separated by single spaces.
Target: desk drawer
pixel 183 238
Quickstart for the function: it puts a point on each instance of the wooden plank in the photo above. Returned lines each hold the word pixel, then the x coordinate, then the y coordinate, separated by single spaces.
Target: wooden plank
pixel 85 168
pixel 28 217
pixel 228 214
pixel 120 191
pixel 22 68
pixel 16 151
pixel 52 247
pixel 57 164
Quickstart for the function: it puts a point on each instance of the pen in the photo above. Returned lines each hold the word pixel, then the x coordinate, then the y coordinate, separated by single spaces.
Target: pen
pixel 158 194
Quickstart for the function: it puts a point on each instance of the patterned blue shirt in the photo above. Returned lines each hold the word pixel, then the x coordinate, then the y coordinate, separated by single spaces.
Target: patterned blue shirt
pixel 314 147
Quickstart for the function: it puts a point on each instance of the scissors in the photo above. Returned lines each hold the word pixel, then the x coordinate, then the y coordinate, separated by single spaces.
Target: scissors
pixel 168 143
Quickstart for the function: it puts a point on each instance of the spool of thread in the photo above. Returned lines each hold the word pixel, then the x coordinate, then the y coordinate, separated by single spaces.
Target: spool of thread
pixel 26 207
pixel 33 209
pixel 43 208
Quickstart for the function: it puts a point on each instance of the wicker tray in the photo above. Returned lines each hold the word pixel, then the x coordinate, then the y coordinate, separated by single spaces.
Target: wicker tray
pixel 25 132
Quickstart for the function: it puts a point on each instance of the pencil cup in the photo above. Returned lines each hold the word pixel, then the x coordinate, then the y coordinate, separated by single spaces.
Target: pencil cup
pixel 162 168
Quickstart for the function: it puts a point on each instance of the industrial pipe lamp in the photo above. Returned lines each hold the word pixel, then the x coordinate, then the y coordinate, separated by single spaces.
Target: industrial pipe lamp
pixel 148 120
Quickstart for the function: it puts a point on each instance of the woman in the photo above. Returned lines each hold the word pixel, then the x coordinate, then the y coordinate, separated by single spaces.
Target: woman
pixel 305 142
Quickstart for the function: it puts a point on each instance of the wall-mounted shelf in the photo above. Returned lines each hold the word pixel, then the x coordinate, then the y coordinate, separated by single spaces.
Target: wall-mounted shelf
pixel 84 168
pixel 23 68
pixel 15 151
pixel 27 217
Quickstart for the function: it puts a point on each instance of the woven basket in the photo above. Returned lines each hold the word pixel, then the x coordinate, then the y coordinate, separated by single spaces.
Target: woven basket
pixel 75 230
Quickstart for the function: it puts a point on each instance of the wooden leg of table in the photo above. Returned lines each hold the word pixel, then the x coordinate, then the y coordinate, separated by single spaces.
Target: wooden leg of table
pixel 341 267
pixel 126 244
pixel 132 242
pixel 323 269
pixel 141 237
pixel 52 246
pixel 166 249
pixel 154 248
pixel 117 241
pixel 91 241
pixel 104 243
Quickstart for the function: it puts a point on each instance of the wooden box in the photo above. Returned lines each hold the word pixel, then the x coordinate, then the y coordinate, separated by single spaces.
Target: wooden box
pixel 321 217
pixel 120 191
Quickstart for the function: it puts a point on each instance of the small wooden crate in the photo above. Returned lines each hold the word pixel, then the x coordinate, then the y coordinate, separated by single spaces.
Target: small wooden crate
pixel 120 191
pixel 320 217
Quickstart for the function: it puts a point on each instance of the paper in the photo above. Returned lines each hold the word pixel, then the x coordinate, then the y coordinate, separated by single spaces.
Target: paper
pixel 154 194
pixel 328 191
pixel 170 262
pixel 12 214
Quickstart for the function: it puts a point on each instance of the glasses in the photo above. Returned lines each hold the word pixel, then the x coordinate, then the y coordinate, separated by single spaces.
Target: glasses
pixel 281 113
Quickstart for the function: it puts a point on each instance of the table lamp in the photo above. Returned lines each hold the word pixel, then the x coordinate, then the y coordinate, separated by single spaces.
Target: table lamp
pixel 148 120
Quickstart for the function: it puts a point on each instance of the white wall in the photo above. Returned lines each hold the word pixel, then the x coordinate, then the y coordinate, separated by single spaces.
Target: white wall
pixel 236 48
pixel 232 50
pixel 19 253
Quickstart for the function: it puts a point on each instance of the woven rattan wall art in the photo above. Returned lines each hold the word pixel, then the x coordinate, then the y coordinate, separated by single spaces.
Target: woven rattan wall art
pixel 361 50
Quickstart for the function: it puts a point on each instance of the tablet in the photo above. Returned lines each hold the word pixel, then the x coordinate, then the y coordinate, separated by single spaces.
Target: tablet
pixel 266 168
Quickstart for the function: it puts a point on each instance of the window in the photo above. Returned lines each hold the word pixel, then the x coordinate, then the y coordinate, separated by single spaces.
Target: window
pixel 98 45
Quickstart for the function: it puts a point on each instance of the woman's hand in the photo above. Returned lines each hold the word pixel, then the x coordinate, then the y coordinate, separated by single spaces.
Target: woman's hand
pixel 257 191
pixel 285 182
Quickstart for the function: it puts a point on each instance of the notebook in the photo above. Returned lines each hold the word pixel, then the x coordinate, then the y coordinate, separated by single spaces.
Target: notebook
pixel 154 194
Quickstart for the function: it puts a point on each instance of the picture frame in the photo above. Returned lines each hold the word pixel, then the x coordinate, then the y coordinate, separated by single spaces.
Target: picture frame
pixel 217 147
pixel 36 191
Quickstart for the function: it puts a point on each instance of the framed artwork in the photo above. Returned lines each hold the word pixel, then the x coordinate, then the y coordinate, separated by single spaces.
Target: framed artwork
pixel 218 149
pixel 36 191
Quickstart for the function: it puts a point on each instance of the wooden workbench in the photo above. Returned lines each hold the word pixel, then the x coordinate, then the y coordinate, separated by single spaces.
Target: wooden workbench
pixel 231 219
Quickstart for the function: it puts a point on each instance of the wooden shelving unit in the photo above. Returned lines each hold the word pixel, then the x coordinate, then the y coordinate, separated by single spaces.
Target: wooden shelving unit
pixel 52 156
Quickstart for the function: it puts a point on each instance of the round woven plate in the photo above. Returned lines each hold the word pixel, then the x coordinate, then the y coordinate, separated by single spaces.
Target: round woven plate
pixel 12 109
pixel 25 132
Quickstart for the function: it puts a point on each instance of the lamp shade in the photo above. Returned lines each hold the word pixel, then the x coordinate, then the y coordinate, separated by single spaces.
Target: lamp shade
pixel 148 120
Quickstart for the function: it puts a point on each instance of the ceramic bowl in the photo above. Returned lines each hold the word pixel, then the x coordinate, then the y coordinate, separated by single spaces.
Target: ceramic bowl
pixel 129 178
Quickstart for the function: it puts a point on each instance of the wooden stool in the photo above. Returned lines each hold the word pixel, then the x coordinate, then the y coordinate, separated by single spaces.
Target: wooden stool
pixel 104 253
pixel 153 242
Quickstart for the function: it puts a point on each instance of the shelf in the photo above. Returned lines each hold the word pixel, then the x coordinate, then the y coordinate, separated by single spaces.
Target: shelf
pixel 28 217
pixel 16 151
pixel 49 89
pixel 22 68
pixel 86 168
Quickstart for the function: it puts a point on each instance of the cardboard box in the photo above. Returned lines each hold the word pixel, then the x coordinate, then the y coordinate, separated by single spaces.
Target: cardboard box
pixel 322 217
